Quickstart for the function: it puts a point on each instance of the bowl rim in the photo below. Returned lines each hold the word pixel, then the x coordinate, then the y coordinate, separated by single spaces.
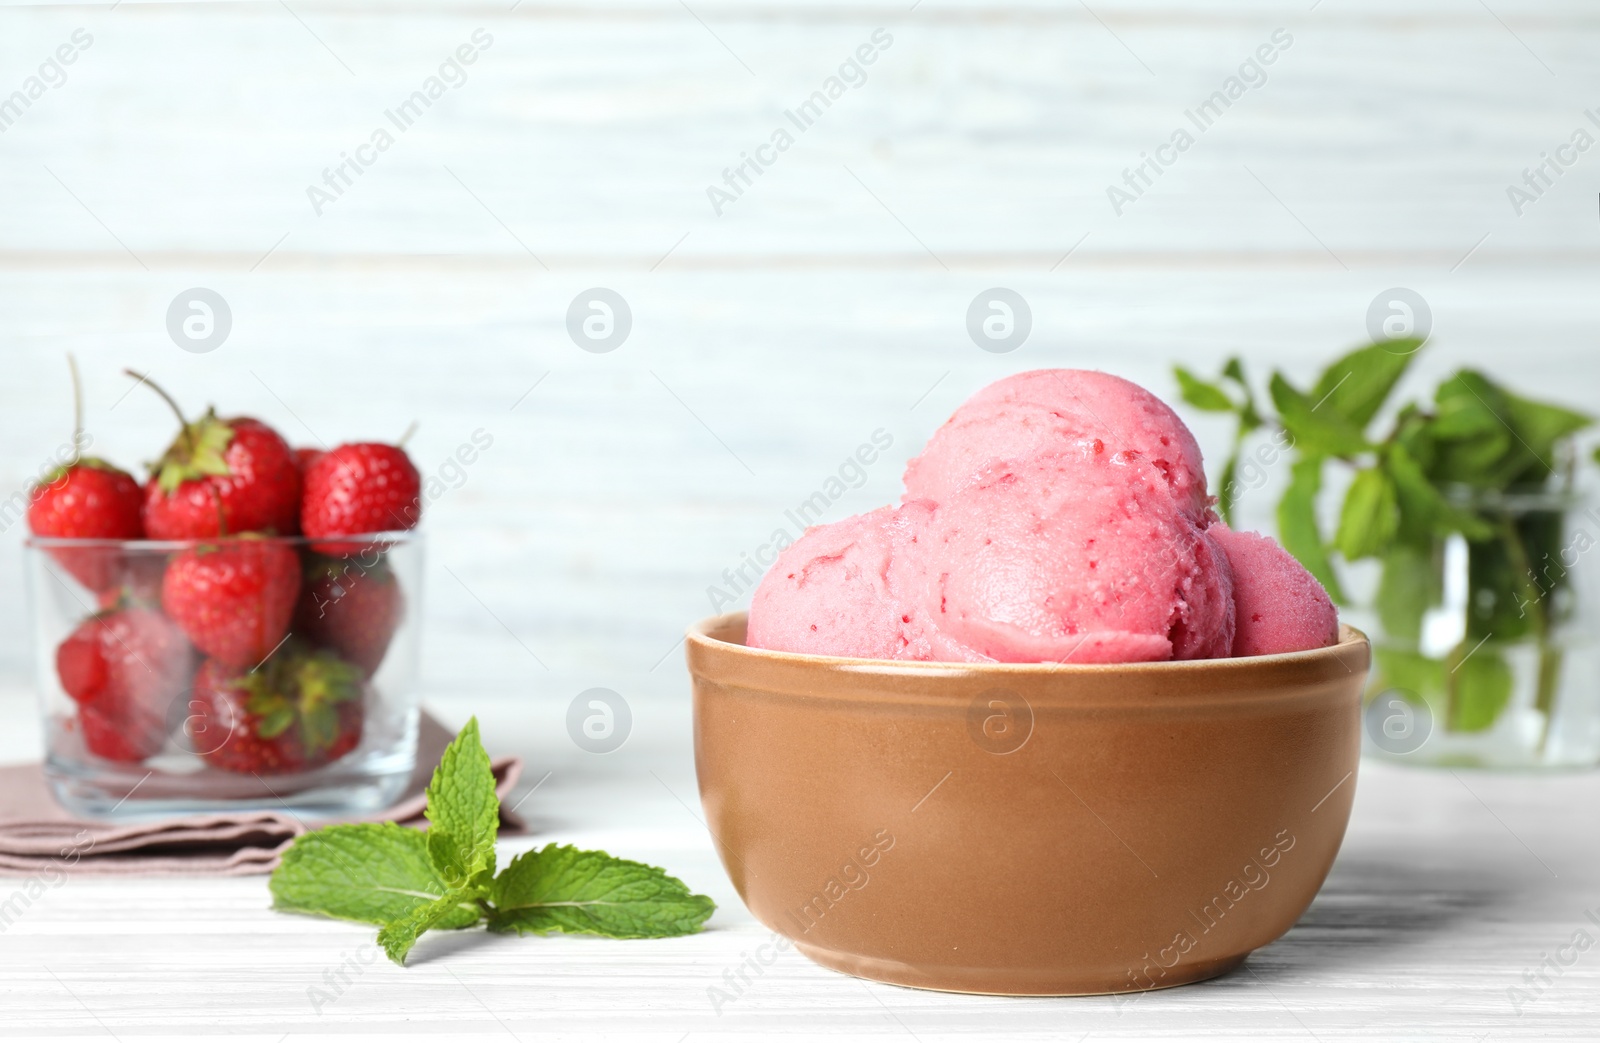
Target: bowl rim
pixel 168 546
pixel 700 633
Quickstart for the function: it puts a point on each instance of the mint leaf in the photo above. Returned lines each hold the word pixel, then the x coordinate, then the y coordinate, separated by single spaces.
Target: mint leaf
pixel 398 937
pixel 1474 440
pixel 1424 511
pixel 1298 528
pixel 1226 493
pixel 561 888
pixel 1544 424
pixel 1317 430
pixel 1422 507
pixel 370 873
pixel 1355 386
pixel 1503 602
pixel 1467 404
pixel 1412 673
pixel 1482 688
pixel 1540 427
pixel 1410 585
pixel 463 812
pixel 1211 397
pixel 1202 394
pixel 1249 418
pixel 1371 515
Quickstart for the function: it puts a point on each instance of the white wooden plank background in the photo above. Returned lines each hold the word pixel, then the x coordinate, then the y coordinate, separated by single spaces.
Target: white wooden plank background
pixel 767 343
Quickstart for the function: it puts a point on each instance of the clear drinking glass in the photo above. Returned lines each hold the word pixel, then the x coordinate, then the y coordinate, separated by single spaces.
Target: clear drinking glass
pixel 1490 656
pixel 172 678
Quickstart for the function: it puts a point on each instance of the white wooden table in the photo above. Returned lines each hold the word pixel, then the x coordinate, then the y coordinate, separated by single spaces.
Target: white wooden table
pixel 828 301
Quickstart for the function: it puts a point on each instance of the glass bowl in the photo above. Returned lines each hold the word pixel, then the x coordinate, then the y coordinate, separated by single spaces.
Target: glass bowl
pixel 237 673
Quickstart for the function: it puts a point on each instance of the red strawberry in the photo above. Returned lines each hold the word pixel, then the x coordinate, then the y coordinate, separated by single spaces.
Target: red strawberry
pixel 137 579
pixel 86 499
pixel 352 609
pixel 92 500
pixel 233 598
pixel 304 458
pixel 300 711
pixel 124 668
pixel 219 478
pixel 113 740
pixel 360 488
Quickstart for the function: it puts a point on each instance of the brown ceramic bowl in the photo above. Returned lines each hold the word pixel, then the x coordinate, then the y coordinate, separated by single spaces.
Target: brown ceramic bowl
pixel 1037 829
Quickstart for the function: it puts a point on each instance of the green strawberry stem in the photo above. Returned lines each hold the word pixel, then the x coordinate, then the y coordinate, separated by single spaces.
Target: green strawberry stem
pixel 291 691
pixel 410 430
pixel 198 451
pixel 77 411
pixel 183 424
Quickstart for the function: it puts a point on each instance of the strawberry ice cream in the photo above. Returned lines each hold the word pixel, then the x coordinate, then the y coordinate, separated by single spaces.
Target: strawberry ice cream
pixel 1050 410
pixel 1059 515
pixel 1281 607
pixel 837 590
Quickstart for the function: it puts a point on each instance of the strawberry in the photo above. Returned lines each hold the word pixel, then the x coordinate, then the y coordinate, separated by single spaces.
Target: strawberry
pixel 112 739
pixel 349 608
pixel 86 499
pixel 233 598
pixel 221 477
pixel 124 668
pixel 136 580
pixel 304 458
pixel 359 488
pixel 301 710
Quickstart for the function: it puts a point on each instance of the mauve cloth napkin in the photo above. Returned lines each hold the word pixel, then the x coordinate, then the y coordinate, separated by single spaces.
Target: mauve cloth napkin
pixel 36 833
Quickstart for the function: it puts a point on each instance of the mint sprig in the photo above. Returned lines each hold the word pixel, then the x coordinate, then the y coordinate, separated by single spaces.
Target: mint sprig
pixel 408 882
pixel 1453 467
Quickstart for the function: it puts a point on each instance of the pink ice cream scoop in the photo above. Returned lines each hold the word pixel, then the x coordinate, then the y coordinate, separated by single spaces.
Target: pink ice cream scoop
pixel 1058 516
pixel 837 590
pixel 1281 606
pixel 1050 410
pixel 1076 556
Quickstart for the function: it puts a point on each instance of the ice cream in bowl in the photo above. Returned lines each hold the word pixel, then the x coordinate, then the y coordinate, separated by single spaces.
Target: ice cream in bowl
pixel 1044 727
